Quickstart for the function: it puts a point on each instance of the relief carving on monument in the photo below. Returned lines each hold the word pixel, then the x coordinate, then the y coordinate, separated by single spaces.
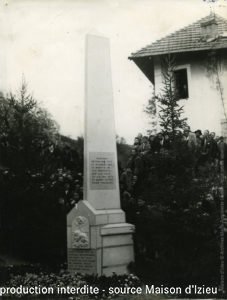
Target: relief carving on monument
pixel 80 233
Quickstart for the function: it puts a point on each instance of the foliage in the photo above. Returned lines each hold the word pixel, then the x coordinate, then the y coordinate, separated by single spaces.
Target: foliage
pixel 38 276
pixel 176 214
pixel 177 219
pixel 33 208
pixel 151 111
pixel 40 179
pixel 170 112
pixel 24 128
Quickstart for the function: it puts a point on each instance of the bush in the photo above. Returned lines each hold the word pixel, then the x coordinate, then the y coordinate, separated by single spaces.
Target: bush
pixel 40 180
pixel 177 217
pixel 37 276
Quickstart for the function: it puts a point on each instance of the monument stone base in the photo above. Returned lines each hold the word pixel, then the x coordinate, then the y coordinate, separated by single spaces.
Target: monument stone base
pixel 98 241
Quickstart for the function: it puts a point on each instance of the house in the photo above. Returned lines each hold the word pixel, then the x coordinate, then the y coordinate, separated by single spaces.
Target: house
pixel 200 53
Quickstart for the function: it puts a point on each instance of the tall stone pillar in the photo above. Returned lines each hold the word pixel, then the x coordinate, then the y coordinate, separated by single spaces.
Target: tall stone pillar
pixel 99 240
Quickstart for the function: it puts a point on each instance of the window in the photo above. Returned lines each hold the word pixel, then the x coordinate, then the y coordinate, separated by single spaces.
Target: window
pixel 181 83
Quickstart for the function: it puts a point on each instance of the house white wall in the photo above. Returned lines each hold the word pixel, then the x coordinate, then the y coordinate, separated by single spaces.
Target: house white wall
pixel 203 108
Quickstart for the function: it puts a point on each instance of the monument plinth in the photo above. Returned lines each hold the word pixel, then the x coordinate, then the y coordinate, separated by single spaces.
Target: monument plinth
pixel 99 240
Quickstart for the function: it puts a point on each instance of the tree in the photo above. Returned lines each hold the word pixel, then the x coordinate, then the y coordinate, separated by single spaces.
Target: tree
pixel 176 218
pixel 151 111
pixel 176 215
pixel 170 111
pixel 28 208
pixel 24 128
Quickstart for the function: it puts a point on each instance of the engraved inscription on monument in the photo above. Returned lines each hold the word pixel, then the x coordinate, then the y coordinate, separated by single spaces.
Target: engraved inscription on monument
pixel 82 260
pixel 102 171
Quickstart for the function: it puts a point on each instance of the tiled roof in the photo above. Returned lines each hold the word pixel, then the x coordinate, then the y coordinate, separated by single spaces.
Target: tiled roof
pixel 187 39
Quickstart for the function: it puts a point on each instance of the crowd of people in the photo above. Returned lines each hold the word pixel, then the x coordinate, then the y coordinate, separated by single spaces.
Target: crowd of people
pixel 207 151
pixel 206 148
pixel 153 195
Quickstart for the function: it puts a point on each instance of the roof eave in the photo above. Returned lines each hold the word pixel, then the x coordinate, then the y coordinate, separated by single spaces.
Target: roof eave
pixel 146 65
pixel 211 47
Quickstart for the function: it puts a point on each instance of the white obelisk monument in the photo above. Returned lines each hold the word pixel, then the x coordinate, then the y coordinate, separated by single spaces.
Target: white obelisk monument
pixel 99 240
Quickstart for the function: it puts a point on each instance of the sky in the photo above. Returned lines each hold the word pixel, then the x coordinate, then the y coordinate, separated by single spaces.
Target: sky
pixel 44 41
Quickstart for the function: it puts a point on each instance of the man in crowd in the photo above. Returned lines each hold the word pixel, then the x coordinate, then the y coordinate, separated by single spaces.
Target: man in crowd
pixel 189 138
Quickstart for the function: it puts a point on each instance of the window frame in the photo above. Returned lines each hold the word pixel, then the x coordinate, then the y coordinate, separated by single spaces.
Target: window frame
pixel 186 67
